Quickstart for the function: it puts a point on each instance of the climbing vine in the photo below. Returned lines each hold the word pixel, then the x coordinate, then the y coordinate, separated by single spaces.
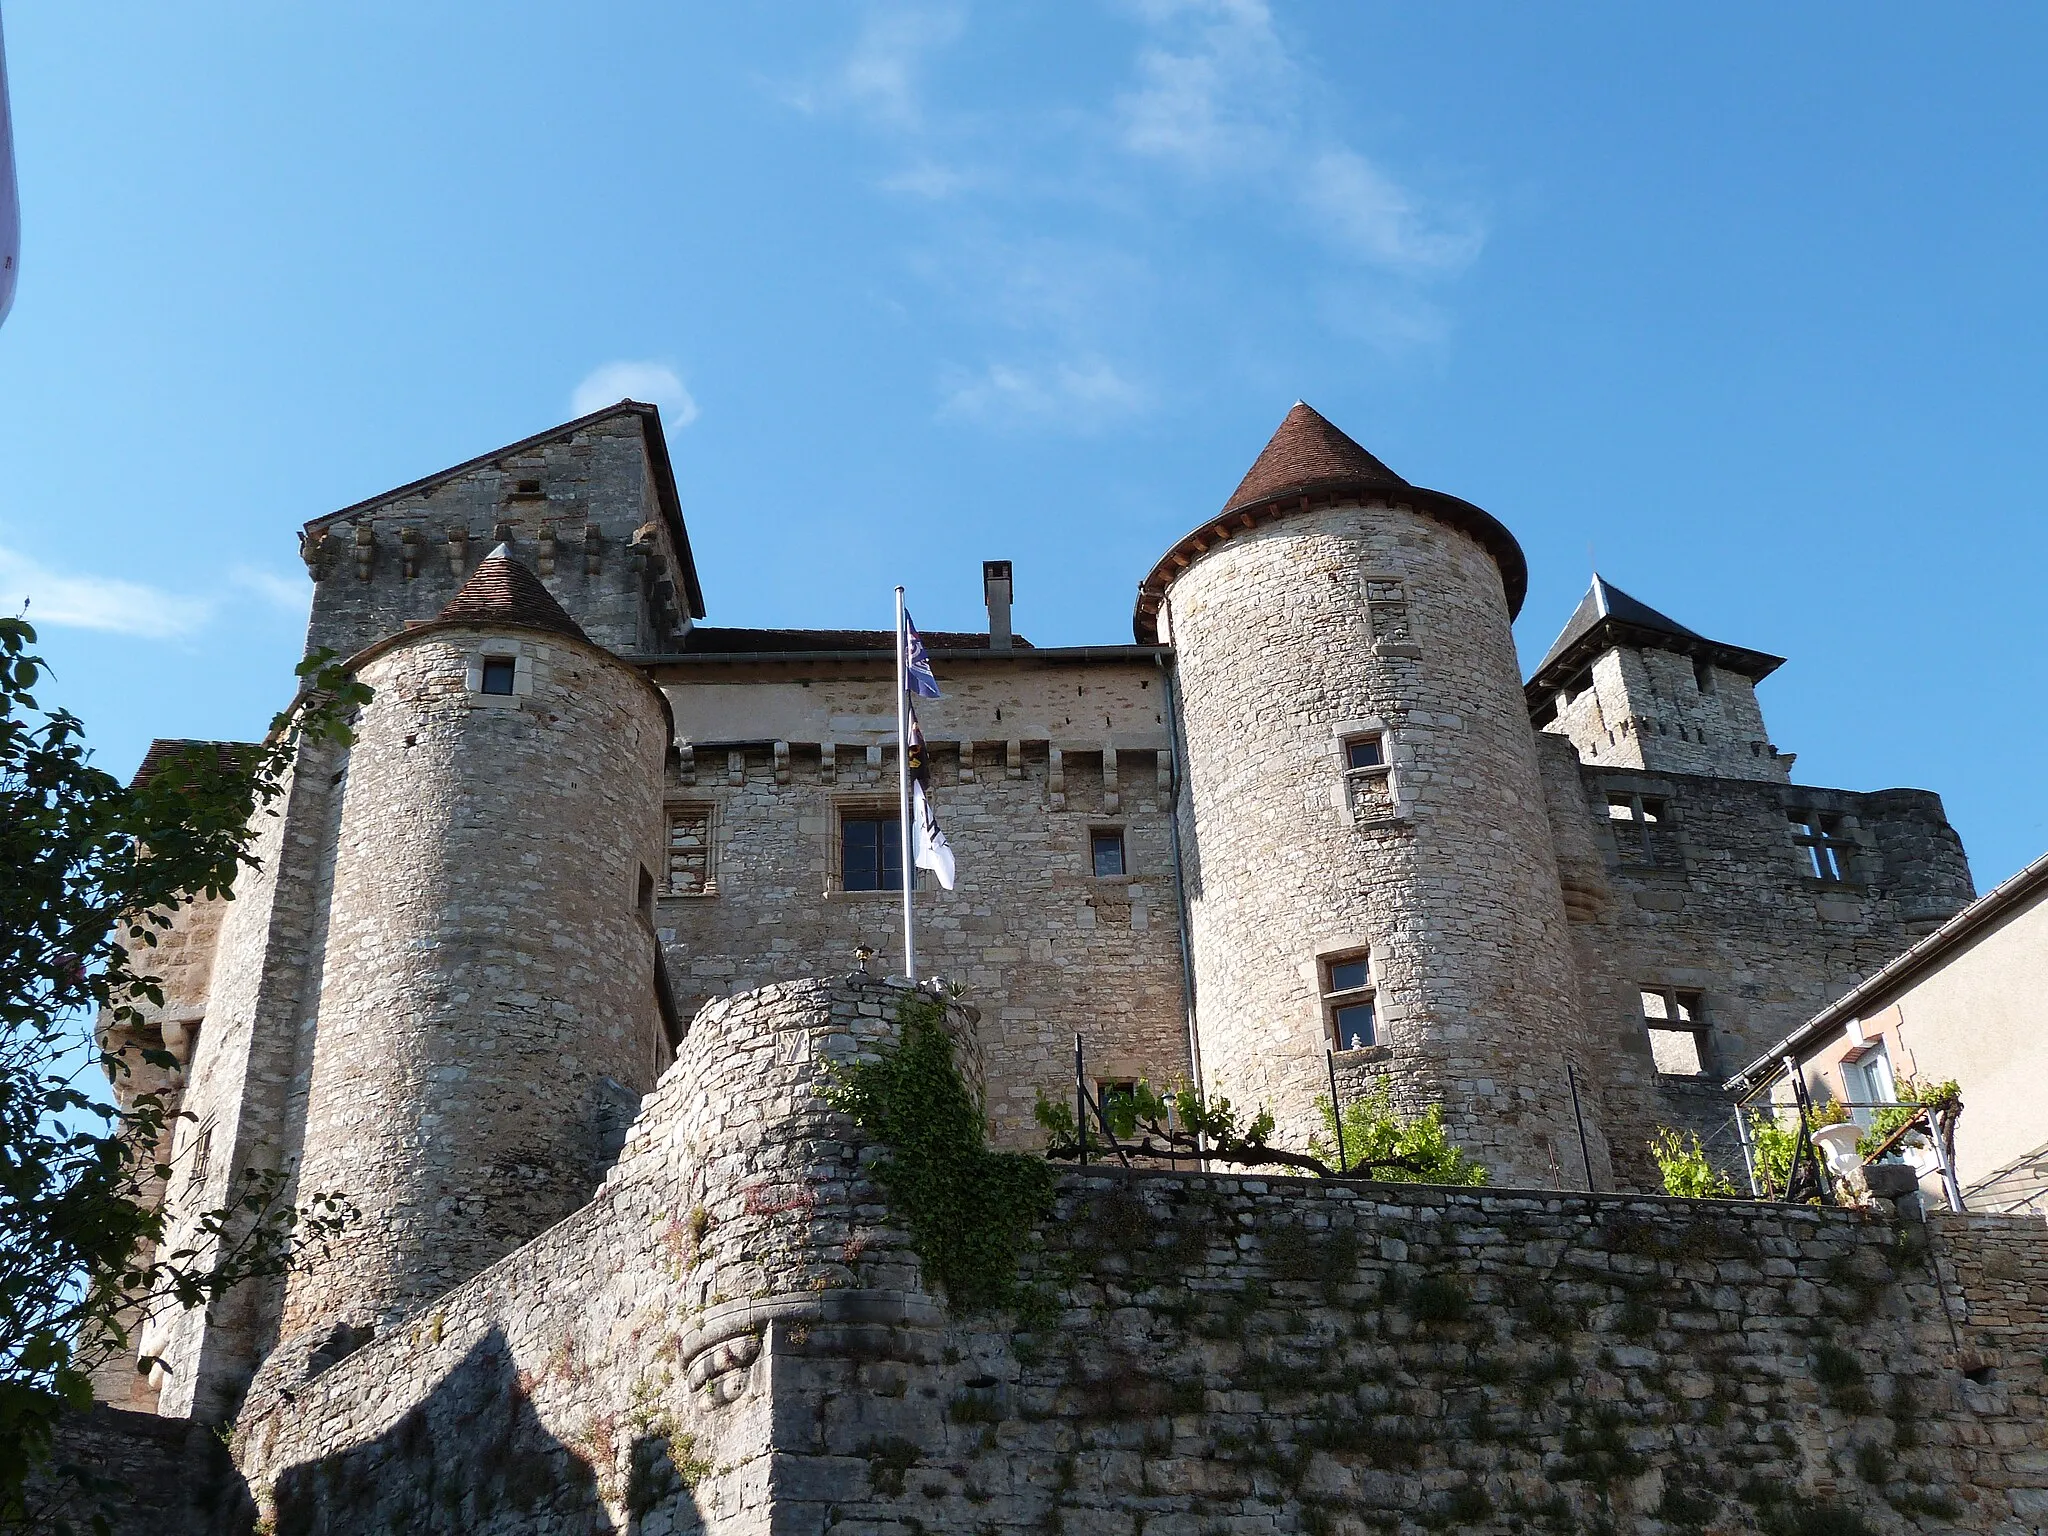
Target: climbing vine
pixel 969 1210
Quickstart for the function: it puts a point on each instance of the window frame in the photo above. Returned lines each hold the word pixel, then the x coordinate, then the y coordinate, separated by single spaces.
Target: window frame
pixel 1685 1014
pixel 498 649
pixel 847 813
pixel 1825 842
pixel 1123 853
pixel 1346 735
pixel 1649 834
pixel 1332 999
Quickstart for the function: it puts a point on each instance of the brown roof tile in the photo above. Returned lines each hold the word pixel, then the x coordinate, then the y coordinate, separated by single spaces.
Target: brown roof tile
pixel 228 756
pixel 502 591
pixel 1307 451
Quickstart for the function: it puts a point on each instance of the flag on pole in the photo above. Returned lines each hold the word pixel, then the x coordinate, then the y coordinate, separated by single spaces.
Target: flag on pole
pixel 933 851
pixel 10 201
pixel 917 664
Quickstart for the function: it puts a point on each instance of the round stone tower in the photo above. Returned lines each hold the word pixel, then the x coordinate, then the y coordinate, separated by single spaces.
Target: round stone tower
pixel 1368 859
pixel 487 1015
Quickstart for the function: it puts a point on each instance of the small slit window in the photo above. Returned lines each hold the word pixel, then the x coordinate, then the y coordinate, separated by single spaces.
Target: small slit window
pixel 498 672
pixel 1106 851
pixel 1350 1010
pixel 1678 1030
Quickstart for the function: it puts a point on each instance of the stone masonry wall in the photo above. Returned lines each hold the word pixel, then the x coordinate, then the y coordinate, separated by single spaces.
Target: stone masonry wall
pixel 1735 912
pixel 733 1338
pixel 1646 709
pixel 486 1010
pixel 1445 877
pixel 1029 758
pixel 398 561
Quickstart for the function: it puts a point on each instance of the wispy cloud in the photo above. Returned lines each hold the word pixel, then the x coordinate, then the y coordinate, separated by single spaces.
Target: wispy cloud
pixel 655 383
pixel 105 603
pixel 1083 395
pixel 287 594
pixel 1212 87
pixel 880 76
pixel 1375 216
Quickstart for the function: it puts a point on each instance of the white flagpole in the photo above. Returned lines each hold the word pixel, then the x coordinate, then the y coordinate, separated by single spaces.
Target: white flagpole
pixel 903 783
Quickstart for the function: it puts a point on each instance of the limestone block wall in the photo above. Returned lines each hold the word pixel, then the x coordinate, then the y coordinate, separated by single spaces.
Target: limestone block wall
pixel 1646 709
pixel 486 1004
pixel 593 489
pixel 1066 952
pixel 1450 886
pixel 1737 914
pixel 732 1338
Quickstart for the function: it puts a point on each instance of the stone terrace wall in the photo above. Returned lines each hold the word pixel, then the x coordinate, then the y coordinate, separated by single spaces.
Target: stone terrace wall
pixel 733 1338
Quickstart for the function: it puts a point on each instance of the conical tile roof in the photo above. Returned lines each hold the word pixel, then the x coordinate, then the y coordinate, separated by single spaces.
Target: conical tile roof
pixel 1308 462
pixel 1306 452
pixel 503 591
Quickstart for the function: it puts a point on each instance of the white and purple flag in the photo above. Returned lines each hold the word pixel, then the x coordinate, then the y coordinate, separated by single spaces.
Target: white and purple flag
pixel 917 665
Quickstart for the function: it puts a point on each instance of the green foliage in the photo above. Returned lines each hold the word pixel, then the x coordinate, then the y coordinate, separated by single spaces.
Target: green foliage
pixel 1683 1165
pixel 1378 1143
pixel 1941 1100
pixel 969 1210
pixel 91 872
pixel 1774 1143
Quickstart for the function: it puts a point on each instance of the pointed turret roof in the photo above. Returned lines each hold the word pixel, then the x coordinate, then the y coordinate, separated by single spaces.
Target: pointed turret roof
pixel 1308 451
pixel 1607 617
pixel 504 591
pixel 1308 462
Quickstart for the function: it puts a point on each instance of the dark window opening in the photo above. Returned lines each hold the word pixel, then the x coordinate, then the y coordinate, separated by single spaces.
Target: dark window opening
pixel 646 896
pixel 527 488
pixel 1677 1027
pixel 498 673
pixel 1106 851
pixel 1363 752
pixel 1349 1004
pixel 1642 829
pixel 1119 1100
pixel 1825 844
pixel 871 853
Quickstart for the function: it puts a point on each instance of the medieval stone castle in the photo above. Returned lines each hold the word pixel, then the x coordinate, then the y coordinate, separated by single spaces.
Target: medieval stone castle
pixel 529 973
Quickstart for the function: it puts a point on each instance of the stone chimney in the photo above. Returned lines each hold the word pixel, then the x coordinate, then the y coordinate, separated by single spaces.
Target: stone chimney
pixel 995 587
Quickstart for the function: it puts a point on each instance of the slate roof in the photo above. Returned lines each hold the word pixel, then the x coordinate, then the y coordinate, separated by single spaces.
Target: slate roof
pixel 503 591
pixel 725 642
pixel 1607 616
pixel 1309 462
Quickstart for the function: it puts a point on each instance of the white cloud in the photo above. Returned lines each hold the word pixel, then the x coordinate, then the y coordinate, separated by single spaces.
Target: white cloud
pixel 1220 100
pixel 1081 395
pixel 879 77
pixel 287 594
pixel 1378 219
pixel 654 383
pixel 96 602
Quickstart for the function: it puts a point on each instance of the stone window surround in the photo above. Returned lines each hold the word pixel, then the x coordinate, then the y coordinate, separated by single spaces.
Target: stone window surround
pixel 1385 646
pixel 1393 757
pixel 1122 833
pixel 1637 787
pixel 1679 995
pixel 672 807
pixel 859 807
pixel 521 653
pixel 1378 957
pixel 1841 840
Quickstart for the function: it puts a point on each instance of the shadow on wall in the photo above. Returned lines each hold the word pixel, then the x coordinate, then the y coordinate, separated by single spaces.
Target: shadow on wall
pixel 474 1457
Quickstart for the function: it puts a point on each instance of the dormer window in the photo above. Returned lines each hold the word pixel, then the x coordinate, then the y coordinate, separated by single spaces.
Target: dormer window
pixel 498 672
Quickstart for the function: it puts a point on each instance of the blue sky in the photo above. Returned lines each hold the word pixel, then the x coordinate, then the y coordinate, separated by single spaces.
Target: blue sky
pixel 1747 300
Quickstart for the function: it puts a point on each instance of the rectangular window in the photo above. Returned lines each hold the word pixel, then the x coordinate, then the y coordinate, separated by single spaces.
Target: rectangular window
pixel 1106 851
pixel 1824 843
pixel 1349 1002
pixel 1642 829
pixel 690 871
pixel 1368 780
pixel 1868 1080
pixel 497 674
pixel 871 853
pixel 1678 1030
